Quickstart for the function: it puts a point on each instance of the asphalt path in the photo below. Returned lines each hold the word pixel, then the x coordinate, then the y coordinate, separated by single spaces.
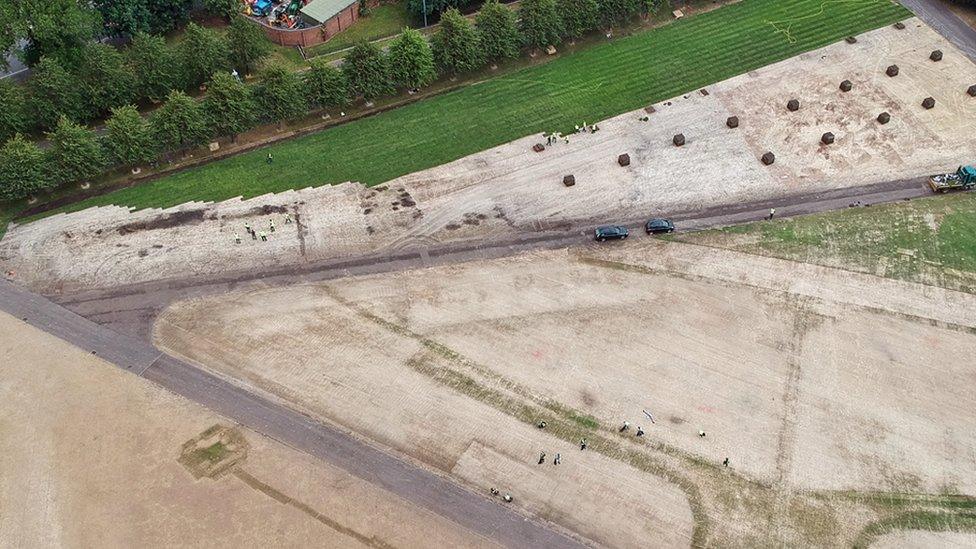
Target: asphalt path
pixel 938 16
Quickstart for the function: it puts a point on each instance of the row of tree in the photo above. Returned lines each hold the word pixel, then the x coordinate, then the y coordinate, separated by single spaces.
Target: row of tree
pixel 104 77
pixel 231 107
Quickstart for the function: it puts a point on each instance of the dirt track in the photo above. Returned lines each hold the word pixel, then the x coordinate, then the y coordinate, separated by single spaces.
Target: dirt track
pixel 510 190
pixel 804 376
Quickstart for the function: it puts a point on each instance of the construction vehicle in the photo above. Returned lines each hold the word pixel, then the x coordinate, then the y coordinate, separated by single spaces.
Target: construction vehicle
pixel 963 179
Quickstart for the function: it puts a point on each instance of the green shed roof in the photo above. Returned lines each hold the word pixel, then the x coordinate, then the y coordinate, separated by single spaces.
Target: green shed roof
pixel 322 10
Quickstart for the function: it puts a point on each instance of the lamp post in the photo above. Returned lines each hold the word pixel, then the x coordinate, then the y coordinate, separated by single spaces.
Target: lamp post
pixel 425 13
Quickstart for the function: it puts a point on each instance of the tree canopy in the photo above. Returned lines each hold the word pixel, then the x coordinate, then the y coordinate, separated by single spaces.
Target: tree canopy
pixel 366 71
pixel 106 79
pixel 411 61
pixel 248 44
pixel 75 153
pixel 55 92
pixel 154 66
pixel 540 23
pixel 127 137
pixel 23 169
pixel 456 45
pixel 325 85
pixel 579 16
pixel 14 116
pixel 280 95
pixel 229 106
pixel 179 123
pixel 202 53
pixel 498 31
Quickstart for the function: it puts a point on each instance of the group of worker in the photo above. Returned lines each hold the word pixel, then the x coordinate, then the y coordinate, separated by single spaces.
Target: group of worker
pixel 639 432
pixel 259 234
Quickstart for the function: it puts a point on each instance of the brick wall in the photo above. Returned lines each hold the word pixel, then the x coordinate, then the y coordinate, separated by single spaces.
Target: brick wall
pixel 313 35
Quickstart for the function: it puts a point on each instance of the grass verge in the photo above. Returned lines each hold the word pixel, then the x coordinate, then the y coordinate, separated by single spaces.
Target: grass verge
pixel 592 84
pixel 383 20
pixel 928 240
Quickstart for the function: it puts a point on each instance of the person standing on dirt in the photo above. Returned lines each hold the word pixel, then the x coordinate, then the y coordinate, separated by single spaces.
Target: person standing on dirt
pixel 542 458
pixel 237 238
pixel 582 444
pixel 558 459
pixel 271 225
pixel 264 236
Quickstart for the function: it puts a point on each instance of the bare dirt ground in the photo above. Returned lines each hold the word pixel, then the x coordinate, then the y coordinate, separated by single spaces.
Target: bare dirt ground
pixel 510 188
pixel 920 539
pixel 92 456
pixel 832 393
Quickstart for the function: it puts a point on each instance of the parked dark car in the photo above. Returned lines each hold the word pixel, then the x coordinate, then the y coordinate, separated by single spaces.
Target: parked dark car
pixel 657 226
pixel 611 232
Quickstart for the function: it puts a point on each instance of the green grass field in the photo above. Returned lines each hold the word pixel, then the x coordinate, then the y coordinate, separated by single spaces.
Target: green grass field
pixel 591 85
pixel 384 20
pixel 926 240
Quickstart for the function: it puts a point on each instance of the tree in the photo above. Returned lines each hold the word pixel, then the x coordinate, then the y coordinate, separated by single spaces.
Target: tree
pixel 579 16
pixel 280 95
pixel 223 8
pixel 106 80
pixel 497 31
pixel 229 106
pixel 248 44
pixel 75 153
pixel 128 140
pixel 540 23
pixel 54 92
pixel 456 46
pixel 366 72
pixel 153 64
pixel 618 12
pixel 325 85
pixel 202 53
pixel 124 18
pixel 8 31
pixel 411 61
pixel 14 116
pixel 166 15
pixel 56 28
pixel 23 169
pixel 434 7
pixel 179 123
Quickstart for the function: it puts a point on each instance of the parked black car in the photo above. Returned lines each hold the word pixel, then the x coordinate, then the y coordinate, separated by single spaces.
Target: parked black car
pixel 657 226
pixel 611 232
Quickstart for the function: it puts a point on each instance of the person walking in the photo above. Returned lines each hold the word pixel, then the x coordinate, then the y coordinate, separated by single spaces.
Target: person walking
pixel 640 432
pixel 270 158
pixel 557 460
pixel 542 458
pixel 247 227
pixel 582 444
pixel 625 426
pixel 725 462
pixel 507 498
pixel 271 225
pixel 772 212
pixel 237 238
pixel 287 219
pixel 264 236
pixel 701 433
pixel 494 491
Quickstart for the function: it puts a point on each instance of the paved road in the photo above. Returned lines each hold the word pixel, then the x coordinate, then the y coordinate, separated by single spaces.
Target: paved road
pixel 477 513
pixel 939 17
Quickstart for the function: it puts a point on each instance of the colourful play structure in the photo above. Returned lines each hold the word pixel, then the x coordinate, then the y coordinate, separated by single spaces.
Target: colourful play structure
pixel 302 22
